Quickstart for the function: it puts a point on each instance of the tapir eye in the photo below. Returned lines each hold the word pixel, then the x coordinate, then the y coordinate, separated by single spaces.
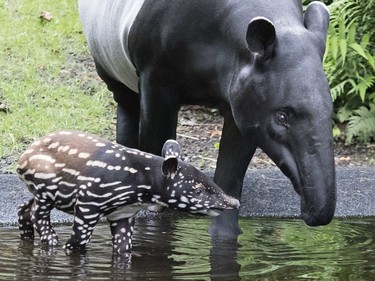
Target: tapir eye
pixel 197 191
pixel 282 118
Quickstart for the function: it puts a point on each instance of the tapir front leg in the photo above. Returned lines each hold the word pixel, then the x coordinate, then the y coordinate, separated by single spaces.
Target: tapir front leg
pixel 85 219
pixel 122 231
pixel 235 154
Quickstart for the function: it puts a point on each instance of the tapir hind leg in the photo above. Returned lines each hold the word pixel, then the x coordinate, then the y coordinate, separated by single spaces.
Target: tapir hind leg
pixel 159 111
pixel 25 224
pixel 128 108
pixel 40 216
pixel 235 154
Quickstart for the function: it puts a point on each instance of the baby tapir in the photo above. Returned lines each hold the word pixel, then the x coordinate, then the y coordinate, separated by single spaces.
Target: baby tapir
pixel 89 177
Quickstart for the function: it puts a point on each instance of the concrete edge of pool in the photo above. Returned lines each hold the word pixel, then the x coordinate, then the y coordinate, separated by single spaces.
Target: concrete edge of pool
pixel 266 193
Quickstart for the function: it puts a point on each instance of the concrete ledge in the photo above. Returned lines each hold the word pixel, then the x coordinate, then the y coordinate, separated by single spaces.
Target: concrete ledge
pixel 266 193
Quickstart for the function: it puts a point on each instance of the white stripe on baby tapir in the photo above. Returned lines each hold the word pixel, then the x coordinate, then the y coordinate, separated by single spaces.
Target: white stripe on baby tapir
pixel 44 175
pixel 60 165
pixel 123 187
pixel 69 184
pixel 89 193
pixel 23 165
pixel 83 178
pixel 109 184
pixel 42 157
pixel 144 186
pixel 122 196
pixel 71 171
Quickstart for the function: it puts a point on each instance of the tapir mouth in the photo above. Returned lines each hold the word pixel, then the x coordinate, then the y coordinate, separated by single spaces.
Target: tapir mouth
pixel 208 212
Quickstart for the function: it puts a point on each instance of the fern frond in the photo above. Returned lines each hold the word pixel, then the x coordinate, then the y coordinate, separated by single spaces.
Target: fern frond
pixel 362 124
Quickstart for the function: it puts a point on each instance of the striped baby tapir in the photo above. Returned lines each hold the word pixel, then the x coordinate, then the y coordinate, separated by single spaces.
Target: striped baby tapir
pixel 90 178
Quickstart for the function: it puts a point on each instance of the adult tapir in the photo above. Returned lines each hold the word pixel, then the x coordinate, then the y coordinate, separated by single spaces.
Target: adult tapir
pixel 259 61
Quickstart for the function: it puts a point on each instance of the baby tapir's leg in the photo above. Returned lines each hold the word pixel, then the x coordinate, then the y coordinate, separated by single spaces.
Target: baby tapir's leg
pixel 25 224
pixel 85 219
pixel 122 231
pixel 40 216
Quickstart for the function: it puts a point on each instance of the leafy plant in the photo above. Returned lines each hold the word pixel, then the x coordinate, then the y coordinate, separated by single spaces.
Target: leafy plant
pixel 350 67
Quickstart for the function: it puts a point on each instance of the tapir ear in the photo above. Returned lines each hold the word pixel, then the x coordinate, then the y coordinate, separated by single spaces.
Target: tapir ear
pixel 171 148
pixel 170 167
pixel 171 152
pixel 317 19
pixel 261 37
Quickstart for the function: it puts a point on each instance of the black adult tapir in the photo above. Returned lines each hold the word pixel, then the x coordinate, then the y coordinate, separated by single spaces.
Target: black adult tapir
pixel 258 61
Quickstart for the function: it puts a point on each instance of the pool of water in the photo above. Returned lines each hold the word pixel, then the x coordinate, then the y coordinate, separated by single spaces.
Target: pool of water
pixel 181 249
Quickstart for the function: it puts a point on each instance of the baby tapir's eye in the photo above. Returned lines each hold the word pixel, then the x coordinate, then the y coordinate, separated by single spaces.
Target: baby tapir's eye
pixel 197 191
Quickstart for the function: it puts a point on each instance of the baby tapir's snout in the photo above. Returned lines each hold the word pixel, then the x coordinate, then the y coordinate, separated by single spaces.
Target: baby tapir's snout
pixel 90 177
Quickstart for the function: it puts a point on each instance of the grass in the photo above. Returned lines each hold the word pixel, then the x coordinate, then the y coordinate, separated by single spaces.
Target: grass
pixel 47 79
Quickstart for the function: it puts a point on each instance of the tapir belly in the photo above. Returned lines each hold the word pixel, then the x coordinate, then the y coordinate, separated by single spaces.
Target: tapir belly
pixel 106 25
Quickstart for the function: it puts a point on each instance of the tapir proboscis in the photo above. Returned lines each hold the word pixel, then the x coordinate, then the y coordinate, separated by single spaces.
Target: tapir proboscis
pixel 258 61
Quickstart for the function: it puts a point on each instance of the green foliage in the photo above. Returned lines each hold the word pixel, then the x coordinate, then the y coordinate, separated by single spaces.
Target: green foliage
pixel 350 67
pixel 45 84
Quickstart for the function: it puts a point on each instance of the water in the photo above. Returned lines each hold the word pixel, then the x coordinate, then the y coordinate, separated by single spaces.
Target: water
pixel 269 249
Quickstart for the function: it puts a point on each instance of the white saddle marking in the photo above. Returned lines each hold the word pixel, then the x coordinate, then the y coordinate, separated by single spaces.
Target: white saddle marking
pixel 106 25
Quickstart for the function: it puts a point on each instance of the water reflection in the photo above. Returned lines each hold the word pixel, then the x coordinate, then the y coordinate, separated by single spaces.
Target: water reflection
pixel 182 250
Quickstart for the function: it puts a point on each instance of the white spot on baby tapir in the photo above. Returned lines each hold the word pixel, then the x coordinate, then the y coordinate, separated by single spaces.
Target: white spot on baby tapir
pixel 46 140
pixel 60 165
pixel 28 151
pixel 63 148
pixel 182 205
pixel 184 199
pixel 65 133
pixel 109 151
pixel 44 175
pixel 147 168
pixel 53 145
pixel 117 168
pixel 72 151
pixel 172 201
pixel 148 156
pixel 83 155
pixel 109 184
pixel 96 163
pixel 100 144
pixel 131 170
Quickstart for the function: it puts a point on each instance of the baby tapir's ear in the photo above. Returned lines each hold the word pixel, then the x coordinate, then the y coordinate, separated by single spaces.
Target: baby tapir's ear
pixel 171 153
pixel 171 148
pixel 170 167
